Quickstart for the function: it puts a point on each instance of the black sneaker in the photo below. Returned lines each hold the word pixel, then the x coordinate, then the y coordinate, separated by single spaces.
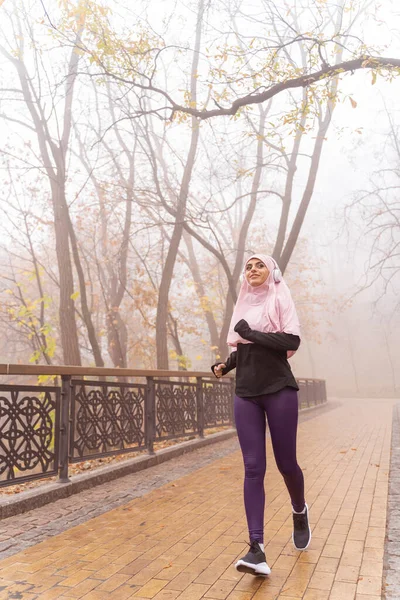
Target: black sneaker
pixel 301 530
pixel 254 562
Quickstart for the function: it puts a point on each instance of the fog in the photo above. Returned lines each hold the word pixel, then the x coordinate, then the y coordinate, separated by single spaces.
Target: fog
pixel 124 230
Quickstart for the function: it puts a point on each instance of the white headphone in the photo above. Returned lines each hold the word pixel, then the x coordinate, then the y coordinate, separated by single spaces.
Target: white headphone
pixel 276 273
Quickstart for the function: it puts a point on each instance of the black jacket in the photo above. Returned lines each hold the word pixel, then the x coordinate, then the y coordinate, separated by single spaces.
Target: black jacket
pixel 261 367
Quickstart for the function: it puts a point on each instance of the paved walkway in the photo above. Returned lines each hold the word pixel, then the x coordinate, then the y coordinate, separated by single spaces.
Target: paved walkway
pixel 180 540
pixel 24 530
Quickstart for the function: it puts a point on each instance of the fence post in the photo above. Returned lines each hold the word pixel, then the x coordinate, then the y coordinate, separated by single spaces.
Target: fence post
pixel 150 414
pixel 200 406
pixel 64 428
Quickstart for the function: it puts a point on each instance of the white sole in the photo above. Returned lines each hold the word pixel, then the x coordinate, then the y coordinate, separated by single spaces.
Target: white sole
pixel 261 569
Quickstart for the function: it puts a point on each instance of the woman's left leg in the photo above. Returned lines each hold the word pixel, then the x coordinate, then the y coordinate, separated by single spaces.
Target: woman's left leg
pixel 282 413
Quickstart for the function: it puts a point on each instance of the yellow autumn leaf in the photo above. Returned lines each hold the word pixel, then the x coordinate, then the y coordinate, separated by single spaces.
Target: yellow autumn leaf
pixel 353 102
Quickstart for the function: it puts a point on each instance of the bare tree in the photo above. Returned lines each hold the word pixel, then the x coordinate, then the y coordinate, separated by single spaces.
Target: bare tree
pixel 180 211
pixel 27 306
pixel 377 208
pixel 53 149
pixel 112 264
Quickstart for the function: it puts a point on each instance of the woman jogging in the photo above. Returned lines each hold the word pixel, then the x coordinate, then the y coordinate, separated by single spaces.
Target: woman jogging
pixel 265 332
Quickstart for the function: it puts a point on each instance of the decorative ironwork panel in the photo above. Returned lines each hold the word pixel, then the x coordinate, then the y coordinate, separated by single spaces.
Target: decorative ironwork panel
pixel 217 404
pixel 311 392
pixel 176 410
pixel 29 417
pixel 304 396
pixel 107 418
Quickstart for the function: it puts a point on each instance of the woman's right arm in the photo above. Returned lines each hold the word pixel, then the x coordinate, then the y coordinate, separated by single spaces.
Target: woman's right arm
pixel 230 364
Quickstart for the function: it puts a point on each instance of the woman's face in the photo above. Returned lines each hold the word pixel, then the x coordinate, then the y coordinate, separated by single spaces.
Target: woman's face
pixel 256 272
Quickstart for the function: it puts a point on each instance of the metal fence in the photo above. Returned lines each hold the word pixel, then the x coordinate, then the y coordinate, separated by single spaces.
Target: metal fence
pixel 43 429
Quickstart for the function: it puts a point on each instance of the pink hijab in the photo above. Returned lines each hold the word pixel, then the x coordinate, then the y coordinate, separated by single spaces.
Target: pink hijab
pixel 268 307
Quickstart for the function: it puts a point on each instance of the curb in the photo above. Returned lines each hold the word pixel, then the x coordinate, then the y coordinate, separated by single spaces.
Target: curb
pixel 391 559
pixel 50 492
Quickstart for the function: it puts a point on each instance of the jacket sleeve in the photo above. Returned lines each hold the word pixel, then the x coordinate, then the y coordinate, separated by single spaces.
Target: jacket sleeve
pixel 229 362
pixel 282 342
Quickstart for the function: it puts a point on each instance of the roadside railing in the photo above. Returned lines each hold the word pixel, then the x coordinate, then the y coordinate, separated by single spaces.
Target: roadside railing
pixel 44 428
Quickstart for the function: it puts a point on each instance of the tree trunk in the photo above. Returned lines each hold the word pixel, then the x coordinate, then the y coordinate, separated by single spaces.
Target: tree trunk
pixel 287 198
pixel 308 192
pixel 392 369
pixel 324 124
pixel 166 278
pixel 201 293
pixel 243 232
pixel 87 317
pixel 117 336
pixel 56 172
pixel 68 329
pixel 174 334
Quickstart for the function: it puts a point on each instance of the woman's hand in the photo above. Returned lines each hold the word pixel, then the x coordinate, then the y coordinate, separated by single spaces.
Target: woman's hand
pixel 218 370
pixel 242 328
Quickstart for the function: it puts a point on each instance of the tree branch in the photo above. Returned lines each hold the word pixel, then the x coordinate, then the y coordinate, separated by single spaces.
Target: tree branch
pixel 328 71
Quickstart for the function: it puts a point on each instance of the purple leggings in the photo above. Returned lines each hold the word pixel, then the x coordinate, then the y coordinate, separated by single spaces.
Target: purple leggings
pixel 281 409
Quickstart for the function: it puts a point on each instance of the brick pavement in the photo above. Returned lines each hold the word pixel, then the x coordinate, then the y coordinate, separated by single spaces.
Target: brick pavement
pixel 180 540
pixel 24 530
